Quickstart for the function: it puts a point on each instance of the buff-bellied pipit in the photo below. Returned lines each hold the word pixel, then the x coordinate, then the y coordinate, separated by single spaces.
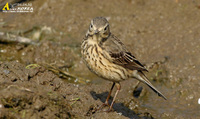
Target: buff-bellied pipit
pixel 106 56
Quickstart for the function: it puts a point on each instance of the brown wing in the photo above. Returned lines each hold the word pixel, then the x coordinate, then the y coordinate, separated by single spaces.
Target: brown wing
pixel 127 60
pixel 120 55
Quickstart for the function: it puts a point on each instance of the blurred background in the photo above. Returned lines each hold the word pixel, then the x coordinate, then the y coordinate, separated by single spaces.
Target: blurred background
pixel 165 33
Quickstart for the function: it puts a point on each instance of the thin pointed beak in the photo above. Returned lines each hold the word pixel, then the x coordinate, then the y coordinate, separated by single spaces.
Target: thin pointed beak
pixel 96 31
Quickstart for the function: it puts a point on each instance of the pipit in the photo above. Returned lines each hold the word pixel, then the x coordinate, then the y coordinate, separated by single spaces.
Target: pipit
pixel 106 56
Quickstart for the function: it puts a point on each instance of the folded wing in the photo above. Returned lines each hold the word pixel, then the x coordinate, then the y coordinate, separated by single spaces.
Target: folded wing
pixel 120 55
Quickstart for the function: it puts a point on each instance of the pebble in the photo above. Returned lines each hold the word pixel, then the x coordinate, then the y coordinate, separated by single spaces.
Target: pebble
pixel 1 106
pixel 199 101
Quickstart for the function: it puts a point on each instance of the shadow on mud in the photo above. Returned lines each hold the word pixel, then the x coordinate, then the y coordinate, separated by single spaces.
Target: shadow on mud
pixel 119 107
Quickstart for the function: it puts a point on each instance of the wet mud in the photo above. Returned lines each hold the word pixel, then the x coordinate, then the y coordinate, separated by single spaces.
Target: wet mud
pixel 163 35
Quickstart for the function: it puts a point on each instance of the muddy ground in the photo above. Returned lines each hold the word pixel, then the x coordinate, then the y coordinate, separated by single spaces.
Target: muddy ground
pixel 164 33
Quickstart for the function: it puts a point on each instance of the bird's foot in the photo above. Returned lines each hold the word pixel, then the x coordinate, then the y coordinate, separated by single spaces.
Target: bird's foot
pixel 109 109
pixel 103 105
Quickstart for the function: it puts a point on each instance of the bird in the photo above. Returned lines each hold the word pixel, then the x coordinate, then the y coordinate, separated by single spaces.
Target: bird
pixel 106 56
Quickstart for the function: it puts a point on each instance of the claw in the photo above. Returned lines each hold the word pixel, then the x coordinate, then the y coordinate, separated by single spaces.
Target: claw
pixel 103 105
pixel 110 108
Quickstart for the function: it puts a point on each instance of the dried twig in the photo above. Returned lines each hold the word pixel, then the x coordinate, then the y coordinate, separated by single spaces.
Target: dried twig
pixel 19 87
pixel 65 74
pixel 11 38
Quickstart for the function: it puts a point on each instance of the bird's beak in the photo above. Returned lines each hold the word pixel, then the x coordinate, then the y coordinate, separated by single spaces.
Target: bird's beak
pixel 96 31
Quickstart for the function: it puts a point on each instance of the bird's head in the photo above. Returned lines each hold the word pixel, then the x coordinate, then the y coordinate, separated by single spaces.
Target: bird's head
pixel 99 26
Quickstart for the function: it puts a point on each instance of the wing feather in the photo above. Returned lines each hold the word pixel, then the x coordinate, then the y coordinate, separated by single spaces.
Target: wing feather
pixel 120 55
pixel 127 60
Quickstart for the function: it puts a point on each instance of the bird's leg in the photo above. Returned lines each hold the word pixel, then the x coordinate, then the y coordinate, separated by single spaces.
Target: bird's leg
pixel 106 102
pixel 118 89
pixel 136 86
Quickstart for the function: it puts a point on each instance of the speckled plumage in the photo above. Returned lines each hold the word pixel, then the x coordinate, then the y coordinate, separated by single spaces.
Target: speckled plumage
pixel 105 55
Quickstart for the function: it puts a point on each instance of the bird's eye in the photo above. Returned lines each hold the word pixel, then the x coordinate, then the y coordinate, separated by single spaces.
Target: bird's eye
pixel 91 26
pixel 105 28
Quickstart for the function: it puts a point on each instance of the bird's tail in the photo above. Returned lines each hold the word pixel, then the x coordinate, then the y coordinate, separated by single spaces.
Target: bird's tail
pixel 141 77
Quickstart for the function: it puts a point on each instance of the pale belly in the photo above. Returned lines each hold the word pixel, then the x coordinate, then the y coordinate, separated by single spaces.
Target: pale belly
pixel 101 66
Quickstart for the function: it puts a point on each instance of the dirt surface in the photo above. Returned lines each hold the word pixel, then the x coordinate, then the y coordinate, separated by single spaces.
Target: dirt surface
pixel 164 33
